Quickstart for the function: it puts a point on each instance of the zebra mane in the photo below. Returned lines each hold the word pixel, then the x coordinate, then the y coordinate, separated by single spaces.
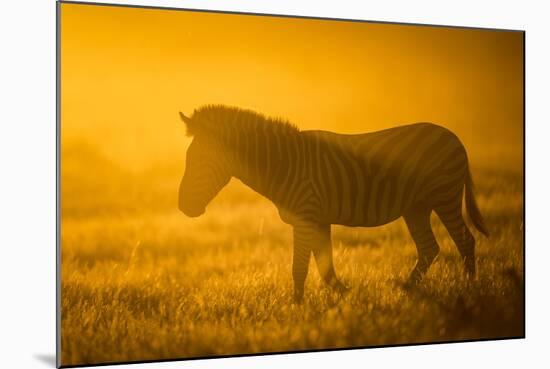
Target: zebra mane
pixel 222 121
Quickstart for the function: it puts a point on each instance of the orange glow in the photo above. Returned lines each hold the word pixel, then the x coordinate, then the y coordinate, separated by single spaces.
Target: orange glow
pixel 140 281
pixel 127 72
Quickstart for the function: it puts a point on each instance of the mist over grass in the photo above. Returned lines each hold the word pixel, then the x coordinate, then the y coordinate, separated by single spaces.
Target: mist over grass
pixel 145 282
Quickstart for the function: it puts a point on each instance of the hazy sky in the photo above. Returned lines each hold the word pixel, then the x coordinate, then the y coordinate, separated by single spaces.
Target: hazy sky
pixel 126 72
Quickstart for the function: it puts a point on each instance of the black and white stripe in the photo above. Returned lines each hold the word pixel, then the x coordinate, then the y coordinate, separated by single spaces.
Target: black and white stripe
pixel 319 178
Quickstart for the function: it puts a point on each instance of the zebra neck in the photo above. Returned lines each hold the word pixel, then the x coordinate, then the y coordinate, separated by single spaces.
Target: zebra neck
pixel 270 166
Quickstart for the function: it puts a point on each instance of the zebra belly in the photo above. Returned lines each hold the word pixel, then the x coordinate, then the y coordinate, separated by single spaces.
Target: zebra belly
pixel 367 222
pixel 368 207
pixel 369 202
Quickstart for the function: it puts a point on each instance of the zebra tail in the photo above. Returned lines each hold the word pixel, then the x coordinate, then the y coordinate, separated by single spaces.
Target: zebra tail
pixel 471 205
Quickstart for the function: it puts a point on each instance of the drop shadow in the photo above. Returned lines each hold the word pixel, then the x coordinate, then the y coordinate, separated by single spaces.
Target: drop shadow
pixel 48 359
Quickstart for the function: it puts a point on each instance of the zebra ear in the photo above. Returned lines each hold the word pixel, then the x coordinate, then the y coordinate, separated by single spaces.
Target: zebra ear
pixel 187 122
pixel 186 119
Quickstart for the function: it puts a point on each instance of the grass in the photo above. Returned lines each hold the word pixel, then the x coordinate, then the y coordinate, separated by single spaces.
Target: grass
pixel 143 285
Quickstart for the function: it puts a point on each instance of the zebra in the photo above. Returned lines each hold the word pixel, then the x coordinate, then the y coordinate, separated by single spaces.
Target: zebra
pixel 318 178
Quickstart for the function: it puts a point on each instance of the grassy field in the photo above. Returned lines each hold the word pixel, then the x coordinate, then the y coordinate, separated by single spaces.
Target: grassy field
pixel 140 285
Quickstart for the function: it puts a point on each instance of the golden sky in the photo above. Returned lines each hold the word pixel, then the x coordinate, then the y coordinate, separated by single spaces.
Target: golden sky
pixel 126 72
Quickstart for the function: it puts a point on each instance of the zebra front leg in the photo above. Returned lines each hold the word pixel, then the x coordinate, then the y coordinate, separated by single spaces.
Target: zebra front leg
pixel 418 223
pixel 300 260
pixel 322 251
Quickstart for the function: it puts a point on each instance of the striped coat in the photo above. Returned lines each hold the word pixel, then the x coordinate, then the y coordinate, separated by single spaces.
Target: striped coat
pixel 319 178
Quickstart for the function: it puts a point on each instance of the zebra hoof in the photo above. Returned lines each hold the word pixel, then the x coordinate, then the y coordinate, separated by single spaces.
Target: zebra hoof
pixel 341 289
pixel 470 274
pixel 344 290
pixel 298 297
pixel 410 283
pixel 470 271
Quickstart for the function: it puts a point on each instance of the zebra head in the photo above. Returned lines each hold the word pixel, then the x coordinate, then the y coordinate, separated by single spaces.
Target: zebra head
pixel 206 171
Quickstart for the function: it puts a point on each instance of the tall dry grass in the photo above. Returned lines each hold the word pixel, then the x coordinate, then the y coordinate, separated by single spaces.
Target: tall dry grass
pixel 140 281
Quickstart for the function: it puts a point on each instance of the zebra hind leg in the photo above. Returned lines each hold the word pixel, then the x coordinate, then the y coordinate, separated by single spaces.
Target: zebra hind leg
pixel 451 216
pixel 418 223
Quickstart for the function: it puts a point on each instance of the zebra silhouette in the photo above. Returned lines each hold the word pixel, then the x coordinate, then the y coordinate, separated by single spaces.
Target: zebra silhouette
pixel 320 178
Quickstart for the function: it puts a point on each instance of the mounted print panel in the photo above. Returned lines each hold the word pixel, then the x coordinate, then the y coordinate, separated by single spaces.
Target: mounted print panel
pixel 236 184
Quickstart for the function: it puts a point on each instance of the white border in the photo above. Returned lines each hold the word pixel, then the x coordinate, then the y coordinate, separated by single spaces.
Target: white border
pixel 27 152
